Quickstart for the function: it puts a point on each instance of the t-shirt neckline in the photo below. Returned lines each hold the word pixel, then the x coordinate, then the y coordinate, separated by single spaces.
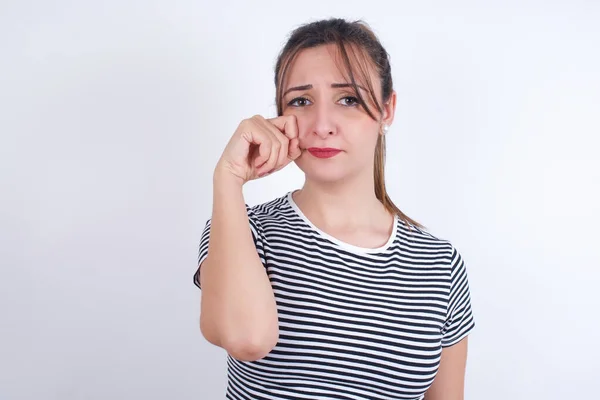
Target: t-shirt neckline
pixel 346 246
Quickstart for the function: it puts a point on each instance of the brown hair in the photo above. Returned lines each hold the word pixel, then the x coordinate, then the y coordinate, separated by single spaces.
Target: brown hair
pixel 356 40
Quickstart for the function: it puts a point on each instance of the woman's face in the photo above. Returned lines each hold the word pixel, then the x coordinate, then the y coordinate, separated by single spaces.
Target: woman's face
pixel 330 117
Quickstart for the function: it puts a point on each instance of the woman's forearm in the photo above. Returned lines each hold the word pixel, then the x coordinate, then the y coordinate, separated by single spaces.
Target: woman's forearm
pixel 238 309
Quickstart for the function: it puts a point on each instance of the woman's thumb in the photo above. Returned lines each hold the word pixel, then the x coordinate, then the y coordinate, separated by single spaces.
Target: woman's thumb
pixel 294 149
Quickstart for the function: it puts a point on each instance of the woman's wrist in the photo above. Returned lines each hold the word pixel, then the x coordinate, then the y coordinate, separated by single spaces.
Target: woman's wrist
pixel 224 179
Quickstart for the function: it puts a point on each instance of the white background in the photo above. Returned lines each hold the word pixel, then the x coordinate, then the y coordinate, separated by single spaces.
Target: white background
pixel 113 114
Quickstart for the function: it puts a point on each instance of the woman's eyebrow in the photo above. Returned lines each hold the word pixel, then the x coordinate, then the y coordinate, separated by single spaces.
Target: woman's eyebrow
pixel 333 85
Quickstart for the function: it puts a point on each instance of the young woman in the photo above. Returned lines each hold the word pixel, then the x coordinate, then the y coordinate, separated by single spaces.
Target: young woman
pixel 329 291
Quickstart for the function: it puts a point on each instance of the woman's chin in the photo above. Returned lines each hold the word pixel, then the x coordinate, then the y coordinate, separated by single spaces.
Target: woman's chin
pixel 324 175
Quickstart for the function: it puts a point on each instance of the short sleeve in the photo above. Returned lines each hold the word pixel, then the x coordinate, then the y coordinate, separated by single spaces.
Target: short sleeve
pixel 459 317
pixel 257 236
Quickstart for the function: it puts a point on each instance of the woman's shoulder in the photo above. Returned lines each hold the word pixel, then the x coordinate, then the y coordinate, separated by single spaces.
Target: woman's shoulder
pixel 270 210
pixel 423 238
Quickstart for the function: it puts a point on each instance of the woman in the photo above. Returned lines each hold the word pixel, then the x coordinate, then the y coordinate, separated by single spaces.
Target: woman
pixel 330 291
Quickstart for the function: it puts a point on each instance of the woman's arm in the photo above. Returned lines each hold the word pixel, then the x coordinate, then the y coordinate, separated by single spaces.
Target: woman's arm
pixel 238 308
pixel 449 383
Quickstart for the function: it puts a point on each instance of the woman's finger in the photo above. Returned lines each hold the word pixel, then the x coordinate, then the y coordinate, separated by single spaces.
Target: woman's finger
pixel 288 125
pixel 258 136
pixel 271 162
pixel 283 159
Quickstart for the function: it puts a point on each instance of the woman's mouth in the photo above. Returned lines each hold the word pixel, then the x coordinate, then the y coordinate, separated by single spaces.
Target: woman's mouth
pixel 323 152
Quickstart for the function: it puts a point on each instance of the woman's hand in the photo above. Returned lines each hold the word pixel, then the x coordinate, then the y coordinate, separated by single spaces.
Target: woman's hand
pixel 260 147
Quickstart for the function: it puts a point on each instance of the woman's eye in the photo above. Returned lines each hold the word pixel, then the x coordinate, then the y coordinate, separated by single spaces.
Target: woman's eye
pixel 298 102
pixel 350 101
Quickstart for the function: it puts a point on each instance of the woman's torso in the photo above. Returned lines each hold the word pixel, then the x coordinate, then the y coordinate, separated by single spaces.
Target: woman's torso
pixel 354 323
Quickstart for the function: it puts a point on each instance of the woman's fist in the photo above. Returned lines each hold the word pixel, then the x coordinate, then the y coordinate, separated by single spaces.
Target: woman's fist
pixel 259 147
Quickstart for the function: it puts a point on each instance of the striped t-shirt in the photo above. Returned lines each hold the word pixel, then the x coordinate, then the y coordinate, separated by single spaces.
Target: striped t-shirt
pixel 354 323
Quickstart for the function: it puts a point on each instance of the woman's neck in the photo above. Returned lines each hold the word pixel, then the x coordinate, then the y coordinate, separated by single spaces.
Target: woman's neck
pixel 345 205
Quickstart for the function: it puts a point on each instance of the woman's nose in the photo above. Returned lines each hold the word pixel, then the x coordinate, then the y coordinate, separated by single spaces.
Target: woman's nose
pixel 323 123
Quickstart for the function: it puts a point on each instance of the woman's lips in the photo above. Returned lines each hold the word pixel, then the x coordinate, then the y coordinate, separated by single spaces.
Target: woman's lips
pixel 323 152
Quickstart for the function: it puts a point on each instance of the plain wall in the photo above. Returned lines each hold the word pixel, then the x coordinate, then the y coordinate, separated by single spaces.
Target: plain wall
pixel 113 115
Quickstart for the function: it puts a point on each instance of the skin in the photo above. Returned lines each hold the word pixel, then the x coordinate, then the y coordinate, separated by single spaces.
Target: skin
pixel 337 196
pixel 338 193
pixel 449 383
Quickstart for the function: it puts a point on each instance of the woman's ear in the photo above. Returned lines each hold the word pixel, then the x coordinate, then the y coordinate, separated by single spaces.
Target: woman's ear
pixel 389 109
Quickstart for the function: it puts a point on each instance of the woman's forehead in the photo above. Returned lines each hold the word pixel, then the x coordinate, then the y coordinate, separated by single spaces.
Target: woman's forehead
pixel 323 64
pixel 317 62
